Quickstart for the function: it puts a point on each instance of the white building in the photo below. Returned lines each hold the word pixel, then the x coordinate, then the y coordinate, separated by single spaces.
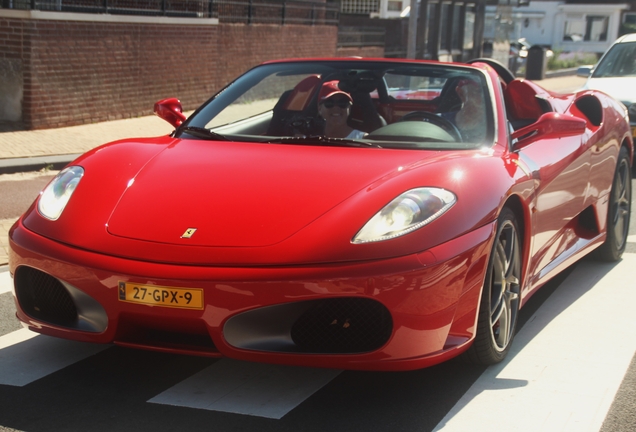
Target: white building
pixel 393 9
pixel 566 27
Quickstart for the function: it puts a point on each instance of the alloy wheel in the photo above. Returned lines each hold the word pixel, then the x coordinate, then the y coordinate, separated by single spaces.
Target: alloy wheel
pixel 504 287
pixel 621 203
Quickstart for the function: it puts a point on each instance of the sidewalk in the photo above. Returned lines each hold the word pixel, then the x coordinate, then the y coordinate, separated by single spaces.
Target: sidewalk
pixel 32 150
pixel 22 151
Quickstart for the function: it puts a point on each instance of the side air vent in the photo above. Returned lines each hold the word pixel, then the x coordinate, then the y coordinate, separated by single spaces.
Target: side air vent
pixel 591 108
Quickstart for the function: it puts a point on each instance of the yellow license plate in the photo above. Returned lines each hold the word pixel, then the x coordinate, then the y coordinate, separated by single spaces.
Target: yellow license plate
pixel 185 298
pixel 634 131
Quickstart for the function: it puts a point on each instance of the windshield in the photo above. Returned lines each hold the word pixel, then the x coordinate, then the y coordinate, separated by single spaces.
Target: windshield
pixel 351 103
pixel 619 61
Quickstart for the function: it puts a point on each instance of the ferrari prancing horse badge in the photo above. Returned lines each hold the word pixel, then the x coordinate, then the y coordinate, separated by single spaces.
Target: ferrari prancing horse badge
pixel 189 233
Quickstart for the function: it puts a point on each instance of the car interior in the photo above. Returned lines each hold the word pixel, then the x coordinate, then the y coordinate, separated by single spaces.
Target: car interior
pixel 378 110
pixel 400 108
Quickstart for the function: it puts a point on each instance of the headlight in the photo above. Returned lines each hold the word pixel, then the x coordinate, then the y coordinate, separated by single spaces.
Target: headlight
pixel 56 195
pixel 408 212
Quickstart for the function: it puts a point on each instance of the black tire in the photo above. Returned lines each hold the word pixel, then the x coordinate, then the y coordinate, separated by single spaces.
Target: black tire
pixel 619 211
pixel 500 298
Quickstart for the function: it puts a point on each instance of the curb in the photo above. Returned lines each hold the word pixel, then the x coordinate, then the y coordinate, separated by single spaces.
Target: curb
pixel 10 166
pixel 553 74
pixel 561 73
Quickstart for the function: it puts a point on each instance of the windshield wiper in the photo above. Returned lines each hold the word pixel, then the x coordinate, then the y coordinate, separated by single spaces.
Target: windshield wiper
pixel 200 132
pixel 343 142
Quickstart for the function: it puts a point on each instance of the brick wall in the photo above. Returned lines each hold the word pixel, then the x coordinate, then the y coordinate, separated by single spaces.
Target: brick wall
pixel 370 51
pixel 11 31
pixel 83 72
pixel 11 69
pixel 245 46
pixel 77 72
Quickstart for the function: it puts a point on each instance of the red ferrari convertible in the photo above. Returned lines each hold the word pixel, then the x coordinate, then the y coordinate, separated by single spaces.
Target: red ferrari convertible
pixel 349 213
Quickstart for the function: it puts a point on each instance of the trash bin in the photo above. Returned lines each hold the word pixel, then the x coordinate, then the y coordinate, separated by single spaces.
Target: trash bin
pixel 536 63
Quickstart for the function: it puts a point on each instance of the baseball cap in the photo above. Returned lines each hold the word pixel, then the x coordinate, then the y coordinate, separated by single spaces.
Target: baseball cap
pixel 329 89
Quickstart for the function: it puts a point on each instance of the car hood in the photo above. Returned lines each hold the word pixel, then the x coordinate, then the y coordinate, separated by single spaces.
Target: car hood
pixel 200 193
pixel 620 88
pixel 231 203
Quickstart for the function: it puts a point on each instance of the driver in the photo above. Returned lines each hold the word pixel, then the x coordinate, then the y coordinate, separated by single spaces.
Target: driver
pixel 471 117
pixel 334 106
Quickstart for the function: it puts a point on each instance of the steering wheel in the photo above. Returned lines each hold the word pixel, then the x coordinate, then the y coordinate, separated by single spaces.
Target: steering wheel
pixel 435 119
pixel 300 124
pixel 503 72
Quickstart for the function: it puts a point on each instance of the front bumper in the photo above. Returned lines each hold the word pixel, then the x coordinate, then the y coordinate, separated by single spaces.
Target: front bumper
pixel 412 311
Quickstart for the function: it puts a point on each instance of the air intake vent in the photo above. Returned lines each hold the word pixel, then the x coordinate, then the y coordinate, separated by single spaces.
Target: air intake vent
pixel 343 325
pixel 44 298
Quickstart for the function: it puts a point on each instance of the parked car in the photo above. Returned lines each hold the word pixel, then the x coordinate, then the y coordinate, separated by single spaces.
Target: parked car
pixel 251 232
pixel 615 74
pixel 518 50
pixel 523 46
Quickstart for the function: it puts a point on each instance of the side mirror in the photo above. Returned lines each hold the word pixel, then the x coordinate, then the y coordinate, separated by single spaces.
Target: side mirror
pixel 171 111
pixel 584 71
pixel 549 125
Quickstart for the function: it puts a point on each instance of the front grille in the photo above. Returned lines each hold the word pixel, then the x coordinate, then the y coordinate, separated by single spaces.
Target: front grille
pixel 343 325
pixel 188 336
pixel 44 298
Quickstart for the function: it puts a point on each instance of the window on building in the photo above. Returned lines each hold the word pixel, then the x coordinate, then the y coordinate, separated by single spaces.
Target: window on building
pixel 431 27
pixel 596 28
pixel 469 27
pixel 629 23
pixel 394 6
pixel 360 6
pixel 592 28
pixel 456 42
pixel 444 42
pixel 629 18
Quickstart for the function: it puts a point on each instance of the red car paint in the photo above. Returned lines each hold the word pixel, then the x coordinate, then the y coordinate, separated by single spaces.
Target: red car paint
pixel 275 221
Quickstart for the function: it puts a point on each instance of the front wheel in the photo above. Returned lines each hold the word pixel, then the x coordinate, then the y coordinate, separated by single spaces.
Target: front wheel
pixel 499 305
pixel 619 211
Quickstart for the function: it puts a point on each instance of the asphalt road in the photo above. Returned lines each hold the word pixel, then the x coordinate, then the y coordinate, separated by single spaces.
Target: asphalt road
pixel 17 191
pixel 52 385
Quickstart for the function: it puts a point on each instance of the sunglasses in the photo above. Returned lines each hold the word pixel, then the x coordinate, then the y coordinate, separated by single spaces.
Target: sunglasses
pixel 342 104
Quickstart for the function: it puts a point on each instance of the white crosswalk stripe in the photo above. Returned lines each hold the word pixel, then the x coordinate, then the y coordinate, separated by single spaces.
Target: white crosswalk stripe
pixel 566 363
pixel 5 282
pixel 255 389
pixel 26 356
